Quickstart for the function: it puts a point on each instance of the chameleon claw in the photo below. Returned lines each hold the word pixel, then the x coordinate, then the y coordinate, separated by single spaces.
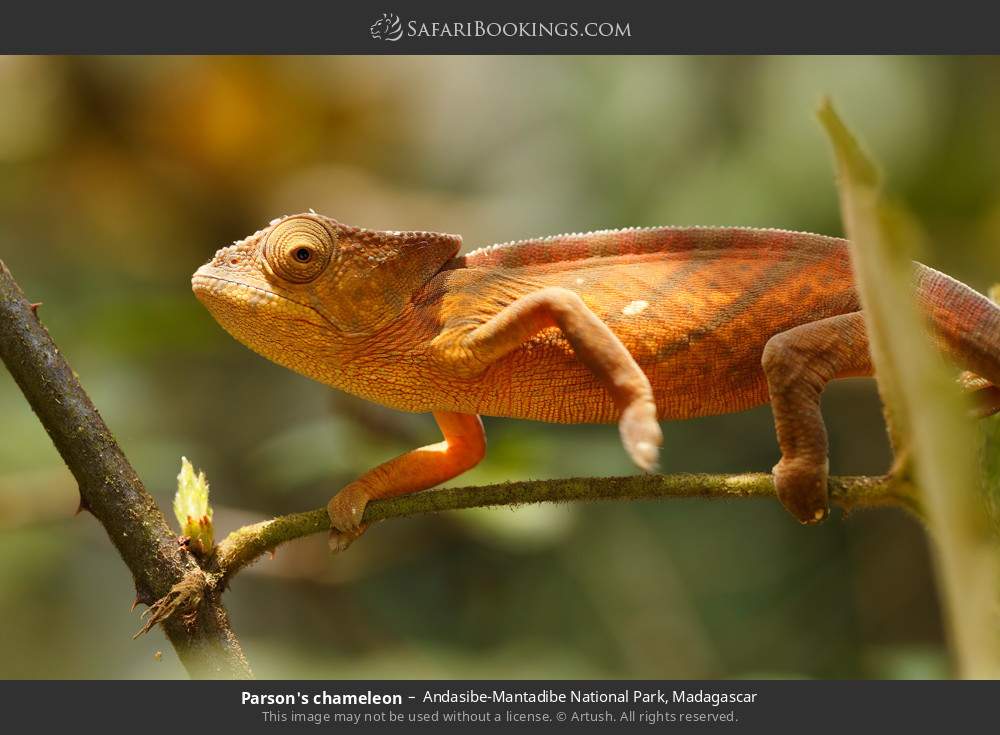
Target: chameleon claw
pixel 339 540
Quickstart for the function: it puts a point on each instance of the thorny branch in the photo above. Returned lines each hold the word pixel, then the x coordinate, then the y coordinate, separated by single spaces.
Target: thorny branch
pixel 111 490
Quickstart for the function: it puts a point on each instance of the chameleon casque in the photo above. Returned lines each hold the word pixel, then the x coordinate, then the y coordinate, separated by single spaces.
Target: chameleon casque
pixel 628 326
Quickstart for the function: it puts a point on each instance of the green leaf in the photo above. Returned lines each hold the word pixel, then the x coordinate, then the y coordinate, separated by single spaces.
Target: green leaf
pixel 928 417
pixel 191 507
pixel 989 453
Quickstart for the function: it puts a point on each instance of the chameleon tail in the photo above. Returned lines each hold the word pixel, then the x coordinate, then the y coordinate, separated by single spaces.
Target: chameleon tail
pixel 966 324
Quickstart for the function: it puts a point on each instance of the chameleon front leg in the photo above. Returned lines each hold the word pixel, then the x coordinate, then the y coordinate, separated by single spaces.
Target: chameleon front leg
pixel 470 351
pixel 798 365
pixel 463 446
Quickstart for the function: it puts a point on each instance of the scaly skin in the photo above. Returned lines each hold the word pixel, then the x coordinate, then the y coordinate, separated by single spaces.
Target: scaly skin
pixel 629 326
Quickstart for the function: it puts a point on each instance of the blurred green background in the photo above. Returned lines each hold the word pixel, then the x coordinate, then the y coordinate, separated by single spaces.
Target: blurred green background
pixel 119 176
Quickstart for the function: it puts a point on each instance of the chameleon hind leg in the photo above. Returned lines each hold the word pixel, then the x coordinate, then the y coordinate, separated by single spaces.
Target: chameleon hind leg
pixel 798 364
pixel 468 350
pixel 463 447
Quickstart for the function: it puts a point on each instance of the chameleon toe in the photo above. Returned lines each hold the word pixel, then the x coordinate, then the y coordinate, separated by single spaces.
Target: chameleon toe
pixel 641 435
pixel 646 455
pixel 347 508
pixel 802 488
pixel 340 540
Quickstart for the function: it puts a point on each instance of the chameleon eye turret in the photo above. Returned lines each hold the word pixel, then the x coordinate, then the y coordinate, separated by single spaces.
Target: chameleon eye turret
pixel 298 249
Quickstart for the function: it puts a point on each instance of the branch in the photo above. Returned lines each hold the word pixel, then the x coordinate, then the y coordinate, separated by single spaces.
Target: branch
pixel 112 491
pixel 245 545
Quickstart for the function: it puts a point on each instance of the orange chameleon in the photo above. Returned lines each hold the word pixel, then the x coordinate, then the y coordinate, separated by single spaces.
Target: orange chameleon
pixel 631 325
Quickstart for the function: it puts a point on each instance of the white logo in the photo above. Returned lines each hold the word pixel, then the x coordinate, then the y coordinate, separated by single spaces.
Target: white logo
pixel 387 28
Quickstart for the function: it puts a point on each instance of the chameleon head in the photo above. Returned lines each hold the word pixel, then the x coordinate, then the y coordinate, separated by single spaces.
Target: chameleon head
pixel 267 290
pixel 302 288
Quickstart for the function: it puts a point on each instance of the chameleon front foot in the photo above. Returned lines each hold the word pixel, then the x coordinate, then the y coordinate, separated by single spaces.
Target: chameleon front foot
pixel 346 509
pixel 641 434
pixel 463 446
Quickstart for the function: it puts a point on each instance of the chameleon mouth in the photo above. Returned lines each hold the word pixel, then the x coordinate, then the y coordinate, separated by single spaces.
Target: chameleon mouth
pixel 210 285
pixel 220 294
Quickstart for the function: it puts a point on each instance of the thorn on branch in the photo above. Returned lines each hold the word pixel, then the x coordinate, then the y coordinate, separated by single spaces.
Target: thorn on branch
pixel 183 598
pixel 142 596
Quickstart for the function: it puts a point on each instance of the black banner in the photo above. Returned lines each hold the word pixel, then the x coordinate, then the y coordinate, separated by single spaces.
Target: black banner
pixel 563 706
pixel 451 27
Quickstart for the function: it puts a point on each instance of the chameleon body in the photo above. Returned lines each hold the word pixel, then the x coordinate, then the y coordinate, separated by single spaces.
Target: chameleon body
pixel 628 326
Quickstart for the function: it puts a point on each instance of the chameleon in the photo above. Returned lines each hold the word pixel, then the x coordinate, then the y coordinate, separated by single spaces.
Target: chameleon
pixel 629 326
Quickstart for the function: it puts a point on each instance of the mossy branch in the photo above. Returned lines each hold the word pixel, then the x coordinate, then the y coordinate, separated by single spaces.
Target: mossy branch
pixel 111 490
pixel 245 545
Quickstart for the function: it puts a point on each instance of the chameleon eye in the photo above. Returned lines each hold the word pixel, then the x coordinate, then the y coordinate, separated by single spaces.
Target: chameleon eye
pixel 298 249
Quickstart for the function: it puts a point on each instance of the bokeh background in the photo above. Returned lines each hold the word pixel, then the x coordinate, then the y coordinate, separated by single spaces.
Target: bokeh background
pixel 119 176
